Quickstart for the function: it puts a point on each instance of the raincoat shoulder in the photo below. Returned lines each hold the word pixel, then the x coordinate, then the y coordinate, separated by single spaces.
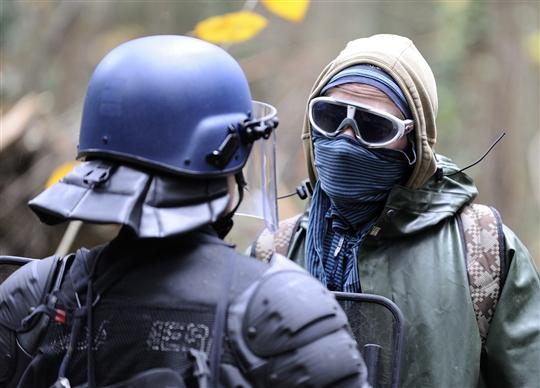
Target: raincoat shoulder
pixel 415 255
pixel 513 342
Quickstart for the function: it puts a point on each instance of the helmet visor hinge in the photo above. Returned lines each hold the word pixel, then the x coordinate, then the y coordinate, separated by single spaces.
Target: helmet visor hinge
pixel 256 129
pixel 220 157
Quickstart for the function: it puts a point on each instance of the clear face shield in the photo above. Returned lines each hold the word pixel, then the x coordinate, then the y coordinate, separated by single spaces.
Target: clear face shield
pixel 258 209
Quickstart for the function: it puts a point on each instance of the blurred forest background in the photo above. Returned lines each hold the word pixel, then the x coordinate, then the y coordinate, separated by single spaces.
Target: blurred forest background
pixel 485 57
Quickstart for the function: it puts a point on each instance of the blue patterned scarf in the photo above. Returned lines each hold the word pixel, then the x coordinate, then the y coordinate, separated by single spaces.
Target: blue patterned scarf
pixel 353 185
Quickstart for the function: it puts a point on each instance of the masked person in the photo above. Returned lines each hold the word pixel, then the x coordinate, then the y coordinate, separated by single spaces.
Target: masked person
pixel 168 124
pixel 390 217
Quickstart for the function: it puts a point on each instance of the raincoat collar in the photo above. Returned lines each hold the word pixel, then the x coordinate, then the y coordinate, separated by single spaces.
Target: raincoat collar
pixel 410 211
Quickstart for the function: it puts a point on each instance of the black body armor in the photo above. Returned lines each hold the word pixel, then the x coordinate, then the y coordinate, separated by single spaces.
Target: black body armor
pixel 184 311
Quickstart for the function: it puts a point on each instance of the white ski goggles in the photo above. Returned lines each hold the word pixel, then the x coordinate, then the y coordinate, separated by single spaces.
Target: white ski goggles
pixel 372 127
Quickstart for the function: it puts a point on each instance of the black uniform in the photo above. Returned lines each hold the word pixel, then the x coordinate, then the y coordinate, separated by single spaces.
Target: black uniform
pixel 180 303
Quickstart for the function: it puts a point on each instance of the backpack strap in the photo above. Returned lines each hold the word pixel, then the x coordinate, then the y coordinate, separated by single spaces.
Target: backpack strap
pixel 266 243
pixel 481 227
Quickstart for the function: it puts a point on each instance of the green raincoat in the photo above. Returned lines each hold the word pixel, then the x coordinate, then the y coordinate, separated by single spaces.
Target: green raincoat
pixel 417 260
pixel 415 254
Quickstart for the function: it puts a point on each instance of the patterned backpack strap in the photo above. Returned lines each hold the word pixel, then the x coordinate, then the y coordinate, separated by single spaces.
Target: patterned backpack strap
pixel 484 252
pixel 266 243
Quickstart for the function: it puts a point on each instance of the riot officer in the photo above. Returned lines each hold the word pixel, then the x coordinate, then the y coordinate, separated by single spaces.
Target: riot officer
pixel 167 126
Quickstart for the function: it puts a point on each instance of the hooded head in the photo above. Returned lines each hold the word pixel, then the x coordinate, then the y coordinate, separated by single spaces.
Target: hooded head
pixel 398 58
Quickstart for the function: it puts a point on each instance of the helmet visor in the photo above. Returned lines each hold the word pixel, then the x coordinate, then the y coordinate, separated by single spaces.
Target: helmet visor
pixel 260 193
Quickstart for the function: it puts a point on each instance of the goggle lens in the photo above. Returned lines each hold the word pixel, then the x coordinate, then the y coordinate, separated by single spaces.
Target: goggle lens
pixel 327 117
pixel 373 128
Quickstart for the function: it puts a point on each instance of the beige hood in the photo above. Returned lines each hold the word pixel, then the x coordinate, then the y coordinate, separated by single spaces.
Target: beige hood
pixel 399 58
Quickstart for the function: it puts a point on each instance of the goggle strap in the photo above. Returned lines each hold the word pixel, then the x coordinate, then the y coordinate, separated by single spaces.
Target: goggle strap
pixel 408 127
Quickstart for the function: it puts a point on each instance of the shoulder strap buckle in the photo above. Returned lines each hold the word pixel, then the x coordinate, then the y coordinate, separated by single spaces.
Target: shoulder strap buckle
pixel 200 368
pixel 305 189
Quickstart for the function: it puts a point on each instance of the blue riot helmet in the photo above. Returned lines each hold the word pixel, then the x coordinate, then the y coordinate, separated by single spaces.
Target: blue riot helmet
pixel 168 102
pixel 165 119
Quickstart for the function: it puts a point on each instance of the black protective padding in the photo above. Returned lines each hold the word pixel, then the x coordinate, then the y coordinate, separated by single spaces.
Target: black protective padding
pixel 27 283
pixel 152 205
pixel 332 360
pixel 289 331
pixel 25 288
pixel 377 325
pixel 272 324
pixel 231 376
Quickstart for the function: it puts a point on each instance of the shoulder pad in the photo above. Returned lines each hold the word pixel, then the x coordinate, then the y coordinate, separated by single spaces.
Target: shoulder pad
pixel 24 289
pixel 283 311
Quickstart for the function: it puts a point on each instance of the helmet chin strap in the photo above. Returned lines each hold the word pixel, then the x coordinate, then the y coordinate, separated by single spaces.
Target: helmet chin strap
pixel 224 225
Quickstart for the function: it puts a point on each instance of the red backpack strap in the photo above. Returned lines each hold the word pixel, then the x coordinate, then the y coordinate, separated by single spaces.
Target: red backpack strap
pixel 484 252
pixel 266 243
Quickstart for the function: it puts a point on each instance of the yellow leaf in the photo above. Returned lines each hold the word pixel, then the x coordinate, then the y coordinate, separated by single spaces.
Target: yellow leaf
pixel 292 10
pixel 533 46
pixel 232 27
pixel 60 172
